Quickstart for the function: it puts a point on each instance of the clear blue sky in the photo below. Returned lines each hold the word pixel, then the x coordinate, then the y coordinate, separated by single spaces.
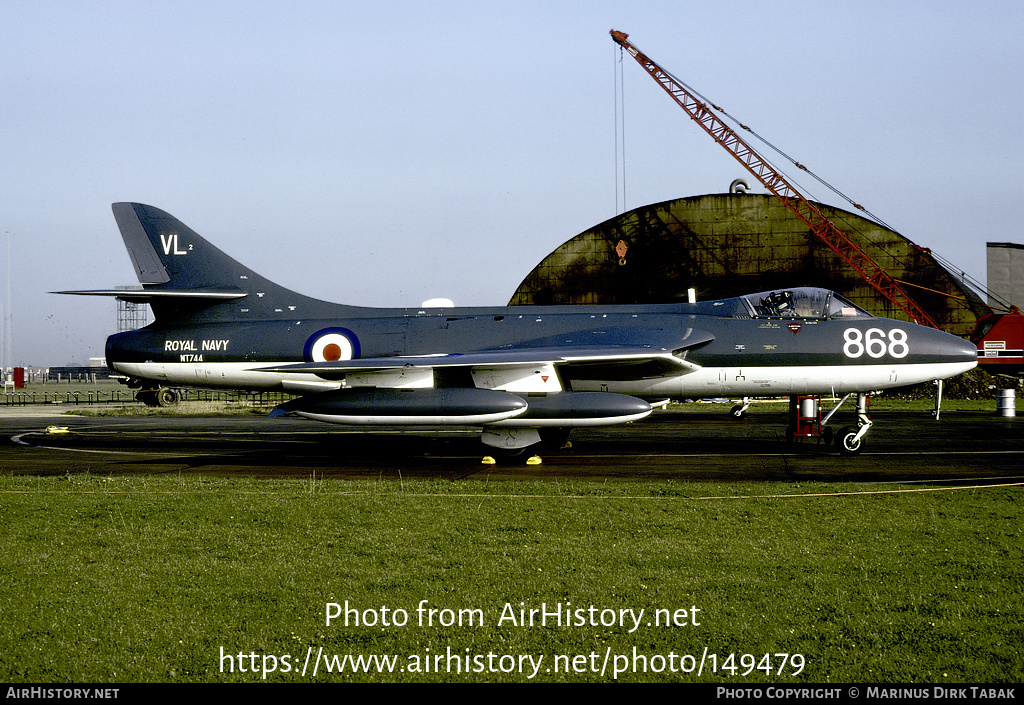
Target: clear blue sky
pixel 385 153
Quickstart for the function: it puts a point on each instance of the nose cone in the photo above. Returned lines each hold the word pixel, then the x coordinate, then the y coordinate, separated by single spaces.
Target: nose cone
pixel 953 354
pixel 967 351
pixel 956 349
pixel 932 345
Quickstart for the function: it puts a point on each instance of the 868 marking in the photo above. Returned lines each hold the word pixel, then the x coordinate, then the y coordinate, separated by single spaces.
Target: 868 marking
pixel 875 342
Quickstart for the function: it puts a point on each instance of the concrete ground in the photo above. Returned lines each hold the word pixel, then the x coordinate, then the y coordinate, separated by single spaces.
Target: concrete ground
pixel 704 445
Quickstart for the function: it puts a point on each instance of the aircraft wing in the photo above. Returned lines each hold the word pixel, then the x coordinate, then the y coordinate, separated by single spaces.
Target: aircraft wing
pixel 625 347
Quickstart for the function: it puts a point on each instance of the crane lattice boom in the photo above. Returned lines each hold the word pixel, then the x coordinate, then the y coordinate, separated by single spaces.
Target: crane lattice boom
pixel 820 225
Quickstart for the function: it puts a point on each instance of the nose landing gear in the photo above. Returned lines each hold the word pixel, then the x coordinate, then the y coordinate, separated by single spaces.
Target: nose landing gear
pixel 850 439
pixel 806 422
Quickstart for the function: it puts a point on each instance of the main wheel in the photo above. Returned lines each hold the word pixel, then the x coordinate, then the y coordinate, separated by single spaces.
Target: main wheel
pixel 167 397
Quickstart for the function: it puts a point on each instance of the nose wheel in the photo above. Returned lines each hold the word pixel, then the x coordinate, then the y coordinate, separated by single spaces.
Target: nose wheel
pixel 738 411
pixel 850 439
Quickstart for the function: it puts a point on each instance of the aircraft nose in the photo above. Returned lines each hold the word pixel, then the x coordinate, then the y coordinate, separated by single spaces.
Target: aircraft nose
pixel 962 350
pixel 951 348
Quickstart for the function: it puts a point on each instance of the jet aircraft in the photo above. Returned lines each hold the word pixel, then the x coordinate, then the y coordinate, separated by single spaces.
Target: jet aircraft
pixel 522 374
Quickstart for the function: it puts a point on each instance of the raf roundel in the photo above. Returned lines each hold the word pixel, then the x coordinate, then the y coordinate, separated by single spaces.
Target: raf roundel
pixel 331 345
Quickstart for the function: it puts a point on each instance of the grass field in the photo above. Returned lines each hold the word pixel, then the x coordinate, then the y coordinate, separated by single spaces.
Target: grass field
pixel 124 579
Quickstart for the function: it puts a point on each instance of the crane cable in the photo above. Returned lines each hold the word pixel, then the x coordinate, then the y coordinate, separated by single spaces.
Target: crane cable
pixel 620 129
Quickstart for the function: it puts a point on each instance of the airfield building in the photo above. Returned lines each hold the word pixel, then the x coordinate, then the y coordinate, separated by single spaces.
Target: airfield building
pixel 725 245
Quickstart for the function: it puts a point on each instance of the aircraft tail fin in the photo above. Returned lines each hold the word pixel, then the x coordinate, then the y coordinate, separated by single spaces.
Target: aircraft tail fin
pixel 166 252
pixel 184 276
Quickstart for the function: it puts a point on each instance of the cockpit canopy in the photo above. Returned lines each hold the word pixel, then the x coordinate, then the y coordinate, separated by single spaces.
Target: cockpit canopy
pixel 802 302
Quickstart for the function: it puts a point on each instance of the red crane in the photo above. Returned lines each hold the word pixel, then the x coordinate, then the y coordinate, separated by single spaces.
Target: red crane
pixel 774 181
